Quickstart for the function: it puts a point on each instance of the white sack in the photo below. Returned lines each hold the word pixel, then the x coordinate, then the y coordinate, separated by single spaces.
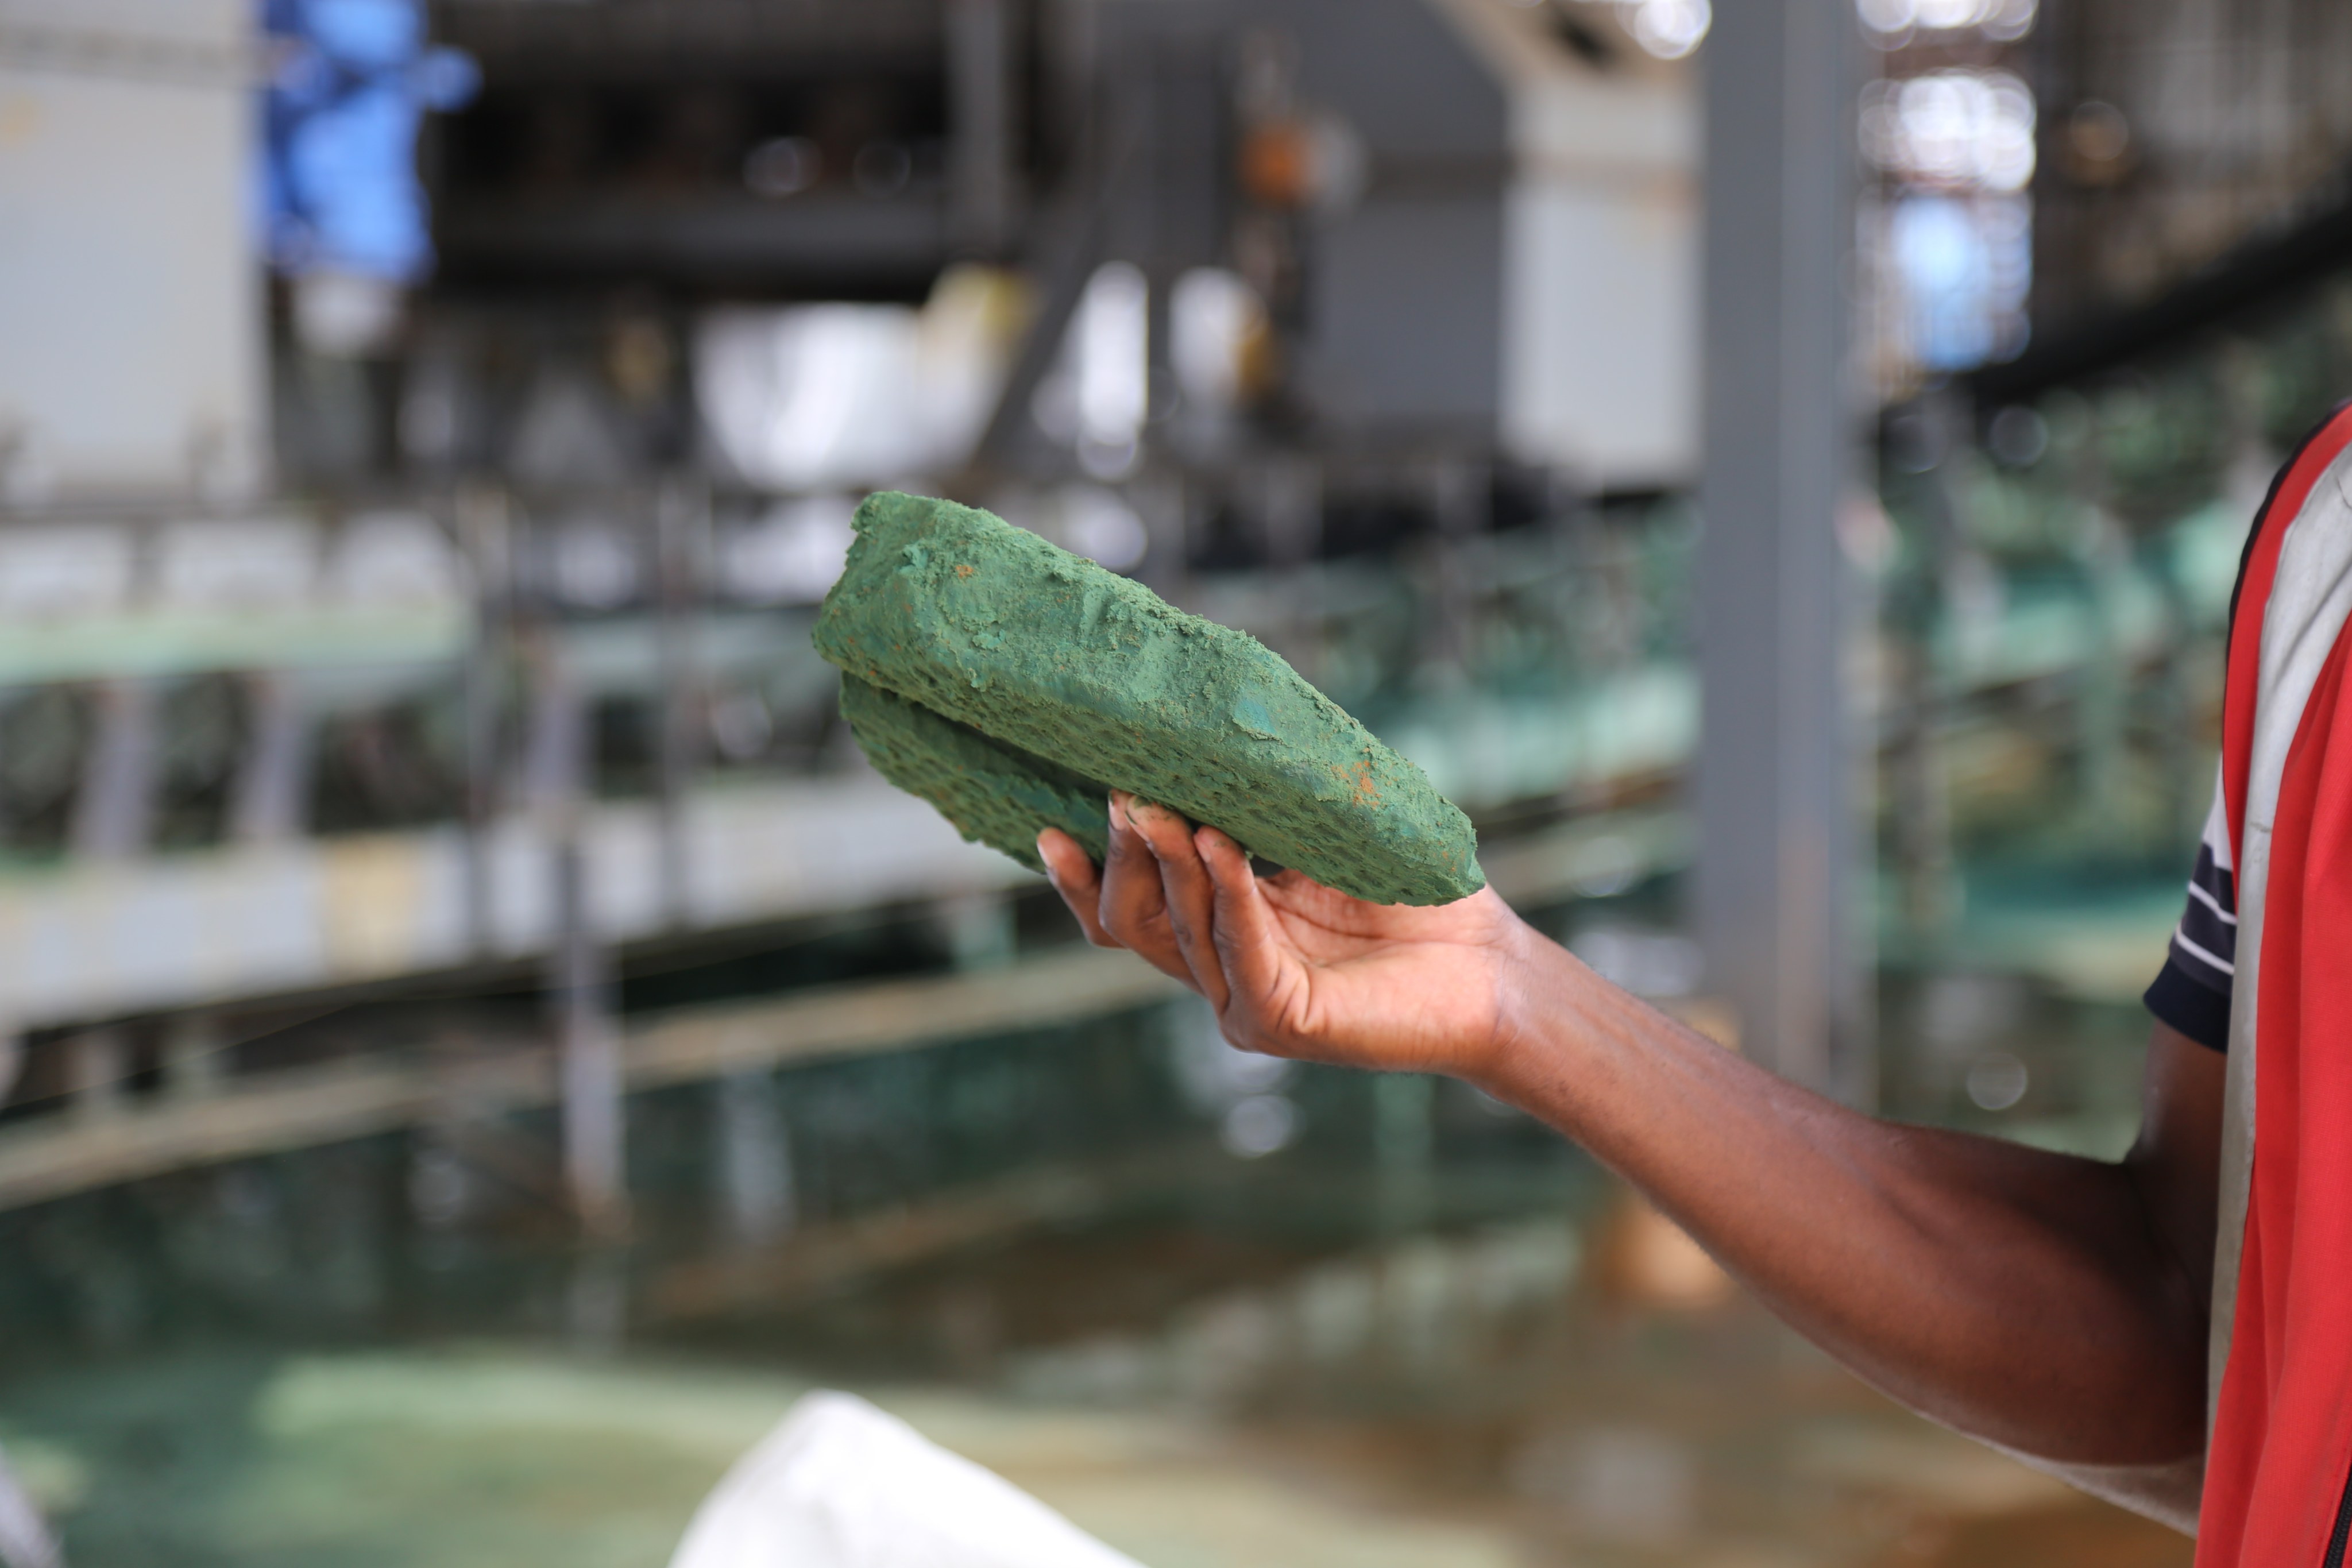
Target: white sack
pixel 839 1484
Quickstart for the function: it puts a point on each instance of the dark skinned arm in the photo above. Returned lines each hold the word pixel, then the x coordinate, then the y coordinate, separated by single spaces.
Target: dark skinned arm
pixel 2052 1306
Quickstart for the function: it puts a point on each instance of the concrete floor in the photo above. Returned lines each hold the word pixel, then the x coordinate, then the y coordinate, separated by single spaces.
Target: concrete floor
pixel 1646 1417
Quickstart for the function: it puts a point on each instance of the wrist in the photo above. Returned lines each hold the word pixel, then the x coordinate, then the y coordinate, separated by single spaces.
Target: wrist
pixel 1535 996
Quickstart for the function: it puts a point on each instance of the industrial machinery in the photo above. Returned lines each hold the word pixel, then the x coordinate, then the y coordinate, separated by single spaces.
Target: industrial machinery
pixel 425 433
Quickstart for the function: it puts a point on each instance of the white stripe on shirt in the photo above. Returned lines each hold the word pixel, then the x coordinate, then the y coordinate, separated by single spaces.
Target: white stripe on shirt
pixel 2212 904
pixel 2223 964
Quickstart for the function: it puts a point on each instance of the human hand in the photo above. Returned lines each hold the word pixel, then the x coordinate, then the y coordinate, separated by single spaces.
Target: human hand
pixel 1293 968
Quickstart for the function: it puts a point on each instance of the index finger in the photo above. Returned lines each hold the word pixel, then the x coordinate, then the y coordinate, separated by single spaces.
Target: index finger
pixel 1186 895
pixel 1134 906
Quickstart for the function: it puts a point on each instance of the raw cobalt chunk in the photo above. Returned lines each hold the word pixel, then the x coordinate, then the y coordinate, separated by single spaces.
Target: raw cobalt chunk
pixel 993 794
pixel 1013 684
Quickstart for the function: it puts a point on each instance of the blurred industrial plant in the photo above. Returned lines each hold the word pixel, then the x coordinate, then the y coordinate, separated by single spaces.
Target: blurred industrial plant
pixel 439 898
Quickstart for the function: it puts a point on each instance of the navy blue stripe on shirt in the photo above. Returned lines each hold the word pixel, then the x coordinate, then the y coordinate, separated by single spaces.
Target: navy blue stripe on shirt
pixel 2190 1005
pixel 2192 992
pixel 2217 881
pixel 2206 943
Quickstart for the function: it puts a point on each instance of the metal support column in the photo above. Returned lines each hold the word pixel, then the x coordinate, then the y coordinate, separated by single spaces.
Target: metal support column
pixel 270 799
pixel 757 1205
pixel 1775 788
pixel 588 1041
pixel 681 527
pixel 587 1037
pixel 482 525
pixel 116 808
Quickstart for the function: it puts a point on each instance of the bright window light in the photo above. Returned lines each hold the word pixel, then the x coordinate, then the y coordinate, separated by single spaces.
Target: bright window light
pixel 1212 315
pixel 1112 337
pixel 1953 129
pixel 2002 20
pixel 1668 30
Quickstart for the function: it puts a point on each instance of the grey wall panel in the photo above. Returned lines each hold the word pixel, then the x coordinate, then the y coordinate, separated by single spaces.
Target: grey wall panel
pixel 1398 71
pixel 1406 316
pixel 130 329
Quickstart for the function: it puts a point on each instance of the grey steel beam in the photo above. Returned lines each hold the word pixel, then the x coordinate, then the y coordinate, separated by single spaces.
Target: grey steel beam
pixel 818 238
pixel 1775 781
pixel 269 1112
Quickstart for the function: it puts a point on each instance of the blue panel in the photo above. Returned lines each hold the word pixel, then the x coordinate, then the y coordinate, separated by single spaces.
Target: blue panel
pixel 353 81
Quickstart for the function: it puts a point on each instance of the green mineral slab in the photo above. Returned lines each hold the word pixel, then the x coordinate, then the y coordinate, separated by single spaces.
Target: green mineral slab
pixel 1013 684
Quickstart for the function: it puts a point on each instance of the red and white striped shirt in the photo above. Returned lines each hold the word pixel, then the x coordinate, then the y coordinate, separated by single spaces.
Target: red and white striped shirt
pixel 2261 966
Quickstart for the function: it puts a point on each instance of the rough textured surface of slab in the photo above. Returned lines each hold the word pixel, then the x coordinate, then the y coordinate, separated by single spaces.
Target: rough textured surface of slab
pixel 995 795
pixel 1051 678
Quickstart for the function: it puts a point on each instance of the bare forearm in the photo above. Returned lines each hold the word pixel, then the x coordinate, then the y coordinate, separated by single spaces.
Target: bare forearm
pixel 2035 1301
pixel 2018 1295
